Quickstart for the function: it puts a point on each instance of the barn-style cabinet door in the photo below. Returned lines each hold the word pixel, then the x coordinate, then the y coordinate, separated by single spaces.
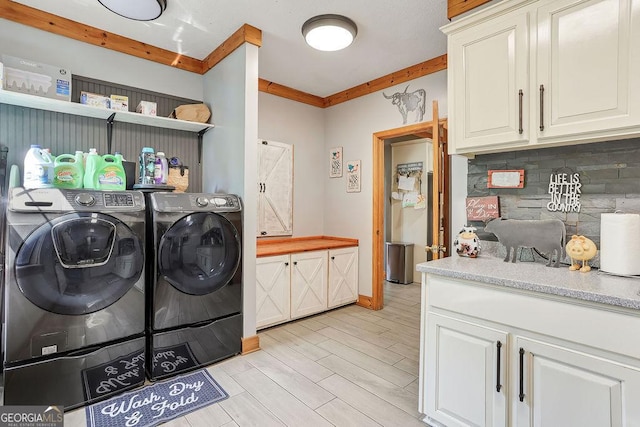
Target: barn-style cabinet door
pixel 275 188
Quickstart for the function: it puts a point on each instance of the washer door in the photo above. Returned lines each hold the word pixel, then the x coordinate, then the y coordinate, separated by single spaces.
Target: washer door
pixel 199 253
pixel 79 263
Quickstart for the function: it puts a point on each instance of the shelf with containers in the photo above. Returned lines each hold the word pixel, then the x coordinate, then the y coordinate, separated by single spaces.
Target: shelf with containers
pixel 111 116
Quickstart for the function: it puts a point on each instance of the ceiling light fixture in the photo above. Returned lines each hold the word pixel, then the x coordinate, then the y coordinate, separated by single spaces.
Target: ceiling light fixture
pixel 139 10
pixel 329 32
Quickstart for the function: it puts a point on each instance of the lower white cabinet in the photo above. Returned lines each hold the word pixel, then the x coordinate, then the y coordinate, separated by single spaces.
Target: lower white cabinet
pixel 272 290
pixel 465 385
pixel 308 283
pixel 304 283
pixel 509 360
pixel 343 276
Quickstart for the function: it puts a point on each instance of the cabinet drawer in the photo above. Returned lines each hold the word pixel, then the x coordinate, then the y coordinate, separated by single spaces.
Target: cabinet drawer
pixel 591 324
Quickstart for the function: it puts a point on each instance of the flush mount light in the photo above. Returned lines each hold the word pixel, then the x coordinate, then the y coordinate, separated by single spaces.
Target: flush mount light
pixel 329 32
pixel 140 10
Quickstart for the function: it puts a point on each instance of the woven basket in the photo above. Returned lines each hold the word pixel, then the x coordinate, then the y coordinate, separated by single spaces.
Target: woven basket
pixel 179 178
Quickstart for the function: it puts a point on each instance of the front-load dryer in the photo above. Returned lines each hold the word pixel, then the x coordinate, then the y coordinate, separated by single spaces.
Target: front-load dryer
pixel 195 292
pixel 74 296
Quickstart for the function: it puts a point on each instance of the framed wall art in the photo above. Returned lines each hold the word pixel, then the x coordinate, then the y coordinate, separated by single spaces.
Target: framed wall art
pixel 353 176
pixel 335 162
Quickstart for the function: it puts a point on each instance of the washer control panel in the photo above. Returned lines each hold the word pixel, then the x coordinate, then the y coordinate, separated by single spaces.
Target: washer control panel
pixel 63 200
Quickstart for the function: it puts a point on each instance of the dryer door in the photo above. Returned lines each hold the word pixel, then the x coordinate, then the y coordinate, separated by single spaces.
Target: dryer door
pixel 199 253
pixel 79 263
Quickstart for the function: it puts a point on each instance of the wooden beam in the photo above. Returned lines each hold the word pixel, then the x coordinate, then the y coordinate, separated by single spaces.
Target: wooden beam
pixel 41 20
pixel 246 33
pixel 458 7
pixel 289 93
pixel 410 73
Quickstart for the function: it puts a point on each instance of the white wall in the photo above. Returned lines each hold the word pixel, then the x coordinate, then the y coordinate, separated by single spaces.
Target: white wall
pixel 302 126
pixel 96 62
pixel 410 225
pixel 351 125
pixel 229 154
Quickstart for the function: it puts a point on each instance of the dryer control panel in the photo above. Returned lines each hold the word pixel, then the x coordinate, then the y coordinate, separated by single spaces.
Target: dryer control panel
pixel 196 202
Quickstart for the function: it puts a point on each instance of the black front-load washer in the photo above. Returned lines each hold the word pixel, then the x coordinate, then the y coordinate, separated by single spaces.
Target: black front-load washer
pixel 194 299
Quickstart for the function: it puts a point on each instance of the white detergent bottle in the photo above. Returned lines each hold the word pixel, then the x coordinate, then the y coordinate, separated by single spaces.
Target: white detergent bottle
pixel 91 167
pixel 38 168
pixel 161 168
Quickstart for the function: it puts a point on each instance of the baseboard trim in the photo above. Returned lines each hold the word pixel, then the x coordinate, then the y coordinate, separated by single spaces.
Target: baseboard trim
pixel 365 301
pixel 250 344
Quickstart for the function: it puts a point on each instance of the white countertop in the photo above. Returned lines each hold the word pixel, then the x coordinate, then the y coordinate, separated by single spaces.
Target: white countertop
pixel 537 277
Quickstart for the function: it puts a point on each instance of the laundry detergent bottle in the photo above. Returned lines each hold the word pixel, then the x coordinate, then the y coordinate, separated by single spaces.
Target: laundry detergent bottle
pixel 92 164
pixel 111 175
pixel 38 168
pixel 68 171
pixel 161 168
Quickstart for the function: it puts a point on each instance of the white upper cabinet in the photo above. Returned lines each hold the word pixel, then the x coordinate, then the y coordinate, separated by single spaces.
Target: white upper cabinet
pixel 586 67
pixel 275 188
pixel 489 83
pixel 527 74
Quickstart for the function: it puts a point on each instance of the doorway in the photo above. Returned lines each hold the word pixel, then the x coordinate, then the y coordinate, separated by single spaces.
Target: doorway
pixel 436 130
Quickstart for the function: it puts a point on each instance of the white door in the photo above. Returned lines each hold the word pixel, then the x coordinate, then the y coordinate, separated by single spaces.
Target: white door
pixel 272 290
pixel 488 84
pixel 588 67
pixel 466 373
pixel 343 276
pixel 564 387
pixel 308 283
pixel 275 188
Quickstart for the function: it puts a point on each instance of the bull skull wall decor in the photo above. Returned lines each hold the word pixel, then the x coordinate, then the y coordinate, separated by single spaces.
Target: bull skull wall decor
pixel 409 102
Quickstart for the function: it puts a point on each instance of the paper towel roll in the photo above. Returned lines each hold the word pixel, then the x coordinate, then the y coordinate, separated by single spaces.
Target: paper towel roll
pixel 620 243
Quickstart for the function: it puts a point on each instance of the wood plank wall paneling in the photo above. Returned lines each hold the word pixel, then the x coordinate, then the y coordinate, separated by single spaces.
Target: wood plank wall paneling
pixel 65 27
pixel 458 7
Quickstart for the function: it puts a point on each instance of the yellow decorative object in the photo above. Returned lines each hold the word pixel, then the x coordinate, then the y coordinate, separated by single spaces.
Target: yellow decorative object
pixel 580 248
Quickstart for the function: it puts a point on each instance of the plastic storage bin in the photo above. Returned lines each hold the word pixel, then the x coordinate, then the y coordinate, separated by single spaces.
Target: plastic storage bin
pixel 399 262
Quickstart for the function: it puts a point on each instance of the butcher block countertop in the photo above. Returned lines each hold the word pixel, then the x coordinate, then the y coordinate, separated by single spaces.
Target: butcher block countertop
pixel 290 245
pixel 536 277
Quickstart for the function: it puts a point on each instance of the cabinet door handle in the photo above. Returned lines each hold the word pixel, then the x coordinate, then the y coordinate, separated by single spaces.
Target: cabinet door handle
pixel 263 233
pixel 264 187
pixel 295 262
pixel 286 264
pixel 520 96
pixel 521 395
pixel 498 385
pixel 333 257
pixel 541 108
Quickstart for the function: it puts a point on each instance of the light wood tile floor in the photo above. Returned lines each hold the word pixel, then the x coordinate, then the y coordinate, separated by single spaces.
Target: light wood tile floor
pixel 346 367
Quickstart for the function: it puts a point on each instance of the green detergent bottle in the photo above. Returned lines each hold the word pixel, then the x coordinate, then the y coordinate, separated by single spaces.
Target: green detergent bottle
pixel 111 175
pixel 67 172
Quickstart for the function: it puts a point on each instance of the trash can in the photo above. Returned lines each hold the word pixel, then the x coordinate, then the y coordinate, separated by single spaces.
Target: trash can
pixel 399 266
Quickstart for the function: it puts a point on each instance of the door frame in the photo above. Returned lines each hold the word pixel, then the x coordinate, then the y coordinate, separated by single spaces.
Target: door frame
pixel 422 130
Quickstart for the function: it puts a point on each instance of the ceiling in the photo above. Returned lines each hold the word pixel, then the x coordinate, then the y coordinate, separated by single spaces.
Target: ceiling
pixel 392 35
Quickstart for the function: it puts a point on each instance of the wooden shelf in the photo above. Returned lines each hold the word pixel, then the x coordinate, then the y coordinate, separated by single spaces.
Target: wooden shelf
pixel 47 104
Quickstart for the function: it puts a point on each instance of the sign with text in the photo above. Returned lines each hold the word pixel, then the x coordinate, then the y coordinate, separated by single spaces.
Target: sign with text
pixel 482 208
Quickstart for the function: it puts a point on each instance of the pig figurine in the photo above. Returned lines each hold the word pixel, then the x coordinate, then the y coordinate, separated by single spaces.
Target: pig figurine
pixel 547 236
pixel 467 243
pixel 580 248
